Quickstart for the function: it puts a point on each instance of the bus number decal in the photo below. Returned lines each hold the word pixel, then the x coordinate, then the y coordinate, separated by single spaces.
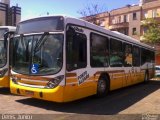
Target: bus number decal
pixel 83 77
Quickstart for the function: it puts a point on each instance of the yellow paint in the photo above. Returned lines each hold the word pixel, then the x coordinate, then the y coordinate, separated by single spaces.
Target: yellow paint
pixel 72 91
pixel 59 94
pixel 70 80
pixel 34 83
pixel 116 81
pixel 4 81
pixel 123 80
pixel 55 94
pixel 136 78
pixel 75 92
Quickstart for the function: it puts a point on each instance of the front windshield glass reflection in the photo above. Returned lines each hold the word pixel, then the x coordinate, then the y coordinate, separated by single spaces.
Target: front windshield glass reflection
pixel 2 31
pixel 38 54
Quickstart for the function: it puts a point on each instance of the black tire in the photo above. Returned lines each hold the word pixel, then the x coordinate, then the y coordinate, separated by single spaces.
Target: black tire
pixel 102 87
pixel 146 77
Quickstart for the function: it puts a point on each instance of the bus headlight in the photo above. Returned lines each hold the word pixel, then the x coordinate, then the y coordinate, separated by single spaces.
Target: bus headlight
pixel 15 79
pixel 55 81
pixel 2 72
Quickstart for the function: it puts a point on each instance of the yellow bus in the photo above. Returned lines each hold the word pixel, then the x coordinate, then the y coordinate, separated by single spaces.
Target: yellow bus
pixel 61 59
pixel 4 54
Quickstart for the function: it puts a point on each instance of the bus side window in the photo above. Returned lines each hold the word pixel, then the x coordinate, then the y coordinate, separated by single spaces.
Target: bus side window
pixel 147 56
pixel 76 50
pixel 99 46
pixel 116 54
pixel 127 55
pixel 136 56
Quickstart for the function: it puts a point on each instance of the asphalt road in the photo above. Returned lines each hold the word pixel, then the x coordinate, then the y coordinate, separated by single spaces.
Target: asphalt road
pixel 137 99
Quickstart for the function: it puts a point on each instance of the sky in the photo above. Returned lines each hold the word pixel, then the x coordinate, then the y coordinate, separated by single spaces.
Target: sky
pixel 35 8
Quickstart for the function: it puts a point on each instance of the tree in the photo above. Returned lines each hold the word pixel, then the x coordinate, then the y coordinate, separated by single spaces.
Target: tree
pixel 152 34
pixel 90 12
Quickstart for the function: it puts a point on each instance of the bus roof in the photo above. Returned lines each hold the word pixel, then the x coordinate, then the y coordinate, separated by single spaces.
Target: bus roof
pixel 94 27
pixel 11 28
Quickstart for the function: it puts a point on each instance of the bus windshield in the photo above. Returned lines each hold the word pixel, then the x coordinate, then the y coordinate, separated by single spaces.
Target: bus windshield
pixel 44 24
pixel 38 54
pixel 2 31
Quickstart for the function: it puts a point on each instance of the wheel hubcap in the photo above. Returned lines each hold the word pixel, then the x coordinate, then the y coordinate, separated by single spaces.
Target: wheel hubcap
pixel 102 86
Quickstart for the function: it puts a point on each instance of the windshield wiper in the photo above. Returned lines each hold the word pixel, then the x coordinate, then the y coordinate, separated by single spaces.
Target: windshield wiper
pixel 40 42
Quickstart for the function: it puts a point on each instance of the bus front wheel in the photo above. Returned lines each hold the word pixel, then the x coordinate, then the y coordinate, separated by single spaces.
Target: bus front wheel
pixel 102 87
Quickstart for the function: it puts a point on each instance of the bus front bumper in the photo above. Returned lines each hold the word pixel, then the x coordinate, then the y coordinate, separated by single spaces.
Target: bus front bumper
pixel 4 81
pixel 55 94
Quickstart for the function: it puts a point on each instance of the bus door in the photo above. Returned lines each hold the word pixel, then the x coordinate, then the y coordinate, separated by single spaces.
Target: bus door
pixel 136 64
pixel 76 58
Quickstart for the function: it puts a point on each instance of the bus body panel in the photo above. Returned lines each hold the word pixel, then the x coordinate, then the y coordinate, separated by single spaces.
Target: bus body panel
pixel 59 94
pixel 55 94
pixel 75 92
pixel 4 81
pixel 72 90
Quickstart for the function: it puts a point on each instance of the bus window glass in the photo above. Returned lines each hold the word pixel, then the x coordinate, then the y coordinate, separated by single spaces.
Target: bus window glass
pixel 116 54
pixel 2 31
pixel 99 51
pixel 76 50
pixel 21 58
pixel 127 55
pixel 136 56
pixel 147 56
pixel 49 55
pixel 45 53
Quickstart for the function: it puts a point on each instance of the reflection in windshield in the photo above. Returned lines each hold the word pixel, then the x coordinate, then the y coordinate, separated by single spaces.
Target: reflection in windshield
pixel 47 59
pixel 2 31
pixel 3 54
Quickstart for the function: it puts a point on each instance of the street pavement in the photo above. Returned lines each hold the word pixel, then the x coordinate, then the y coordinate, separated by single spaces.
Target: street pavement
pixel 138 99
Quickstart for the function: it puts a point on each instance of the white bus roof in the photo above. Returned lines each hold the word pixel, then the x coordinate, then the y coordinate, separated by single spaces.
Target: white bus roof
pixel 83 23
pixel 11 28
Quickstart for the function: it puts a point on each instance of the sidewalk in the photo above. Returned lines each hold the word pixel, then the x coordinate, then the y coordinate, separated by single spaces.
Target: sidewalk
pixel 156 78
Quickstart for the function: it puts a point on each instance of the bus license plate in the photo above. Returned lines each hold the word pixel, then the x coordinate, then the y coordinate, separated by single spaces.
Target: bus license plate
pixel 29 93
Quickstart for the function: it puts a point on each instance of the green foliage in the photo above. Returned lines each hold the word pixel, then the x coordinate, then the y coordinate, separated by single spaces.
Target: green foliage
pixel 152 35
